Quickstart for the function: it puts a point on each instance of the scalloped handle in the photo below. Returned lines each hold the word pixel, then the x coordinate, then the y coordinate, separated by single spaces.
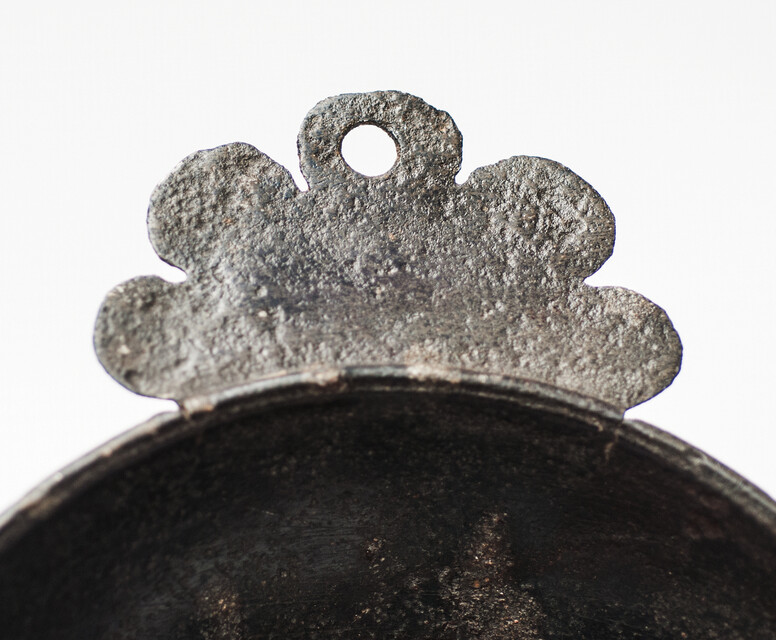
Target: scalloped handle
pixel 404 269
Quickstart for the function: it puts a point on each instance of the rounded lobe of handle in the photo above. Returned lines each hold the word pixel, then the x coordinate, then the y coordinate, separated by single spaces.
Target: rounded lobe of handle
pixel 427 141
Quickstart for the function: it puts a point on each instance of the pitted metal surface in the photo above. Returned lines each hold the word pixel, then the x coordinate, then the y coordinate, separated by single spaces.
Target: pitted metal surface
pixel 408 268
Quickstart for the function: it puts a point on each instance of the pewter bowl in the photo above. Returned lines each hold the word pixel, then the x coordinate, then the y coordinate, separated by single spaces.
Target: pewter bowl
pixel 401 417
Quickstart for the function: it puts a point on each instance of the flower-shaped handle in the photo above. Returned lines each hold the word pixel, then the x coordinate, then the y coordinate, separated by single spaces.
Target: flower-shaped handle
pixel 404 269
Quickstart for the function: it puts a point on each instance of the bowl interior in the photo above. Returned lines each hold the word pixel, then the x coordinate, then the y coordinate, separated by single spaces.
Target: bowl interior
pixel 389 513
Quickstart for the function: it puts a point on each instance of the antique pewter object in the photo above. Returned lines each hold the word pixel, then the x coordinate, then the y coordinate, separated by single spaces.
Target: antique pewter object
pixel 401 417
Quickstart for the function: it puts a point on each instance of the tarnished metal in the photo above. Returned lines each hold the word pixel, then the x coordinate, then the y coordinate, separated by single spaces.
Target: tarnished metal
pixel 408 268
pixel 401 418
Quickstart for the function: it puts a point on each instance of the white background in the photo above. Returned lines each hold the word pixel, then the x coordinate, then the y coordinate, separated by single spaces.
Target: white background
pixel 667 108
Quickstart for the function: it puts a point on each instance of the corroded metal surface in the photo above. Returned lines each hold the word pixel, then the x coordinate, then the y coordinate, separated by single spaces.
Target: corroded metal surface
pixel 401 417
pixel 408 268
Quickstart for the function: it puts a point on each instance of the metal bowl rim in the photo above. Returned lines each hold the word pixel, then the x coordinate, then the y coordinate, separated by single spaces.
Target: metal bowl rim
pixel 323 383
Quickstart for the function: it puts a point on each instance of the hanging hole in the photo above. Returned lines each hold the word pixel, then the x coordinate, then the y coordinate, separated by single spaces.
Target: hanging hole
pixel 369 150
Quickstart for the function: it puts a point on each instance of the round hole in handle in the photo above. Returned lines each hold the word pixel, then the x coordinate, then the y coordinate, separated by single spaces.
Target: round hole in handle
pixel 369 150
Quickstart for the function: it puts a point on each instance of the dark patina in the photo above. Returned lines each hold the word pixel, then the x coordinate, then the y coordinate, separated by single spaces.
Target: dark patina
pixel 401 417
